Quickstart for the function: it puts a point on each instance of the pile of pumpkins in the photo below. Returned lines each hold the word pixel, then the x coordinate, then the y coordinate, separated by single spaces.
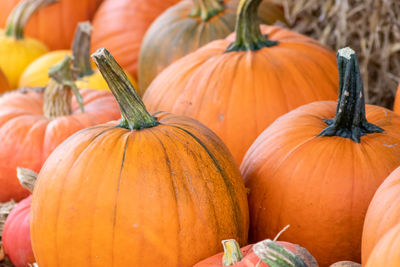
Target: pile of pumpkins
pixel 234 131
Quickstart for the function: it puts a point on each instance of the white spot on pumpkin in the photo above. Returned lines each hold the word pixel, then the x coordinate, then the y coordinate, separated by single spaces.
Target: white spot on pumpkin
pixel 221 117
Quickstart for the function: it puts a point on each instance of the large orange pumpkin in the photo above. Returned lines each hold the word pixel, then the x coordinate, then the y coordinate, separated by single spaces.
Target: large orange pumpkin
pixel 33 123
pixel 120 26
pixel 237 87
pixel 383 213
pixel 187 26
pixel 54 25
pixel 319 174
pixel 139 192
pixel 396 105
pixel 386 252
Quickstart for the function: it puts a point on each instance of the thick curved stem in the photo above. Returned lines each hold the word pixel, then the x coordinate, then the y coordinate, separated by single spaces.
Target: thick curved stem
pixel 232 252
pixel 350 121
pixel 58 93
pixel 248 33
pixel 21 14
pixel 206 9
pixel 133 112
pixel 81 49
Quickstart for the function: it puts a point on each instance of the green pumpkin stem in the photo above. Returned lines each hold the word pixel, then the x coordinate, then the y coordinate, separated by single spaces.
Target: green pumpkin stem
pixel 248 33
pixel 350 121
pixel 206 9
pixel 21 14
pixel 133 111
pixel 81 49
pixel 58 92
pixel 232 252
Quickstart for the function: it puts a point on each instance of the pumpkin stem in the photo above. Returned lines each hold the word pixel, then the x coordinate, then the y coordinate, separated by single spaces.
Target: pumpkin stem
pixel 350 121
pixel 206 9
pixel 133 111
pixel 21 14
pixel 81 49
pixel 5 209
pixel 27 178
pixel 232 252
pixel 58 93
pixel 248 33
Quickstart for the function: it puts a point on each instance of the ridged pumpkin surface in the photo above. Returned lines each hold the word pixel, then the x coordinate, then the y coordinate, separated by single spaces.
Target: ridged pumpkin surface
pixel 27 137
pixel 396 106
pixel 138 198
pixel 120 26
pixel 383 213
pixel 54 25
pixel 238 94
pixel 321 186
pixel 386 252
pixel 176 33
pixel 16 235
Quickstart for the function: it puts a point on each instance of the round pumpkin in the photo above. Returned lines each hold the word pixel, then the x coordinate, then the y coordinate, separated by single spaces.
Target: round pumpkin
pixel 319 174
pixel 54 25
pixel 4 85
pixel 240 85
pixel 187 26
pixel 120 26
pixel 383 213
pixel 150 185
pixel 396 105
pixel 36 74
pixel 386 252
pixel 263 254
pixel 34 122
pixel 16 50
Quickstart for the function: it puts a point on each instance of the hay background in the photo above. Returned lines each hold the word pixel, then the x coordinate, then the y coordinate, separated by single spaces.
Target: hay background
pixel 370 27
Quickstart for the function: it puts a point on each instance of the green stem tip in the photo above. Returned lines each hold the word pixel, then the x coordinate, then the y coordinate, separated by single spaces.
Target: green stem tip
pixel 350 120
pixel 248 33
pixel 21 14
pixel 133 111
pixel 232 252
pixel 206 9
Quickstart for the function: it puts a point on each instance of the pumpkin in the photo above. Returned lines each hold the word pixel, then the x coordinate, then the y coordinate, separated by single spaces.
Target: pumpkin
pixel 4 86
pixel 319 174
pixel 16 235
pixel 386 251
pixel 237 87
pixel 54 25
pixel 263 254
pixel 36 74
pixel 383 213
pixel 152 185
pixel 345 264
pixel 120 26
pixel 20 51
pixel 33 123
pixel 187 26
pixel 396 105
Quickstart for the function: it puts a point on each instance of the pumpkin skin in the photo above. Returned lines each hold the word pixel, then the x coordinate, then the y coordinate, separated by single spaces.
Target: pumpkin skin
pixel 4 85
pixel 194 179
pixel 320 185
pixel 27 137
pixel 386 251
pixel 383 213
pixel 120 26
pixel 16 235
pixel 250 259
pixel 175 33
pixel 396 105
pixel 216 88
pixel 54 25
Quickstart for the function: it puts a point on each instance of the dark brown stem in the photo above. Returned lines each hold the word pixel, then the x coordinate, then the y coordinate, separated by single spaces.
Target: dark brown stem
pixel 133 112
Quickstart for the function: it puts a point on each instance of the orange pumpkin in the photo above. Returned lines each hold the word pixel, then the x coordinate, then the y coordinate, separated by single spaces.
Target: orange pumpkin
pixel 386 252
pixel 33 123
pixel 150 185
pixel 396 105
pixel 120 26
pixel 54 25
pixel 187 26
pixel 4 85
pixel 383 213
pixel 319 174
pixel 237 87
